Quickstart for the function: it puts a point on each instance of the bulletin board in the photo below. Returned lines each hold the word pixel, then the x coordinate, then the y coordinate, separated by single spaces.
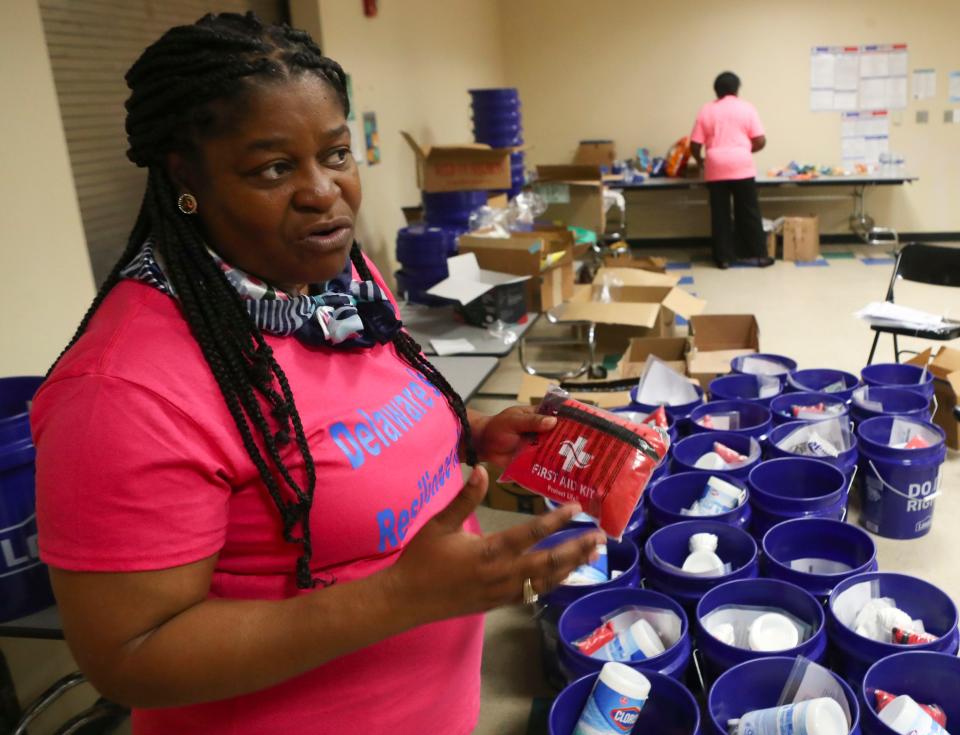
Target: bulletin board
pixel 854 78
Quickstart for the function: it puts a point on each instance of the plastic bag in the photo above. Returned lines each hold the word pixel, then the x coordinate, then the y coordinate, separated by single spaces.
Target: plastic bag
pixel 524 208
pixel 911 435
pixel 934 710
pixel 763 366
pixel 810 680
pixel 827 438
pixel 591 456
pixel 661 385
pixel 719 496
pixel 741 617
pixel 666 625
pixel 850 605
pixel 723 421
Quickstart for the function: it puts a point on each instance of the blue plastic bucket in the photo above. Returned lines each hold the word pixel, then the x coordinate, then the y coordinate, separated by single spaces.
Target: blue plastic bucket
pixel 817 379
pixel 15 396
pixel 415 285
pixel 685 453
pixel 846 462
pixel 925 676
pixel 583 616
pixel 623 556
pixel 757 685
pixel 717 657
pixel 24 585
pixel 669 710
pixel 666 550
pixel 853 654
pixel 497 115
pixel 754 418
pixel 795 487
pixel 820 538
pixel 669 496
pixel 906 404
pixel 677 413
pixel 898 375
pixel 451 207
pixel 899 486
pixel 739 388
pixel 789 365
pixel 635 530
pixel 419 247
pixel 782 406
pixel 494 93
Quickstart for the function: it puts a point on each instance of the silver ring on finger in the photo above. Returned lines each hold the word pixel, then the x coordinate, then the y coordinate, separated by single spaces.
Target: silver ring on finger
pixel 530 595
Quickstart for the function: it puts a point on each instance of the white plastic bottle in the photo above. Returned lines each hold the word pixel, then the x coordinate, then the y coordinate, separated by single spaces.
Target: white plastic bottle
pixel 773 632
pixel 720 496
pixel 703 558
pixel 616 700
pixel 822 716
pixel 903 715
pixel 637 643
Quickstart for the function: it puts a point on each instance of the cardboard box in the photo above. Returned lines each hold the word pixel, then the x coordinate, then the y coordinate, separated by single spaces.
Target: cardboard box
pixel 635 277
pixel 716 339
pixel 574 196
pixel 524 254
pixel 595 153
pixel 801 238
pixel 672 350
pixel 467 167
pixel 512 497
pixel 647 263
pixel 945 369
pixel 771 244
pixel 533 388
pixel 633 311
pixel 413 215
pixel 484 296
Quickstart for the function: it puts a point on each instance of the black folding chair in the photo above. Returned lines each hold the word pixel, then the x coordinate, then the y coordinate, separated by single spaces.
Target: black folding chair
pixel 936 265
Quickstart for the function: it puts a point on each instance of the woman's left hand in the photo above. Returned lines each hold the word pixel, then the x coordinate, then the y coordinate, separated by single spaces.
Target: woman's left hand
pixel 499 436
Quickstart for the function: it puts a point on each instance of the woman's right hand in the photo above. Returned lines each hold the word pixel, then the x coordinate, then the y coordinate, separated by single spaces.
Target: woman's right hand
pixel 446 572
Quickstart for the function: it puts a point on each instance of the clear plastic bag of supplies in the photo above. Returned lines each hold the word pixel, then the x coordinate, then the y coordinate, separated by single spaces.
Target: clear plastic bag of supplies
pixel 525 207
pixel 828 438
pixel 661 385
pixel 722 421
pixel 621 636
pixel 737 626
pixel 862 609
pixel 810 680
pixel 763 366
pixel 488 221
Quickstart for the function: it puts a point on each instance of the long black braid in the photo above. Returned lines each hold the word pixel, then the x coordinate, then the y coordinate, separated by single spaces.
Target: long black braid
pixel 172 87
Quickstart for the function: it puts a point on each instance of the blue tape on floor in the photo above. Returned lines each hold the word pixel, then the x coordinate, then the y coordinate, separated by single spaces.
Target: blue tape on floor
pixel 685 281
pixel 877 261
pixel 812 263
pixel 679 265
pixel 680 321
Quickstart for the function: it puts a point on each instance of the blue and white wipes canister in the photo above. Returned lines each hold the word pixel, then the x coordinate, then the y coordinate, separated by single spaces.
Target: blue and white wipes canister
pixel 615 703
pixel 595 572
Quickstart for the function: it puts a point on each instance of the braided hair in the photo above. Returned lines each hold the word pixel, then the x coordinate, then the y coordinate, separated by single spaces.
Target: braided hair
pixel 172 85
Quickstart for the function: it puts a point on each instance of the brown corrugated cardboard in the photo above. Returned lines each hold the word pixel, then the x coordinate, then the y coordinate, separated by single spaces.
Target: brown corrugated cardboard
pixel 467 167
pixel 508 496
pixel 595 153
pixel 533 388
pixel 413 215
pixel 523 254
pixel 672 350
pixel 716 339
pixel 801 238
pixel 945 368
pixel 648 263
pixel 574 196
pixel 635 277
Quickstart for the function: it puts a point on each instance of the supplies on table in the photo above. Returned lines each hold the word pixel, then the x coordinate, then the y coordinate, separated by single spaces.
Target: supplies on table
pixel 935 711
pixel 862 610
pixel 632 633
pixel 724 458
pixel 812 702
pixel 561 466
pixel 615 701
pixel 719 496
pixel 756 628
pixel 821 439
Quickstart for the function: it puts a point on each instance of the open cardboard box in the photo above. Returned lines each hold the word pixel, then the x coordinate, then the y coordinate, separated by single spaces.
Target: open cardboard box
pixel 595 153
pixel 945 368
pixel 653 264
pixel 574 196
pixel 466 167
pixel 633 311
pixel 534 387
pixel 672 350
pixel 484 296
pixel 716 339
pixel 523 254
pixel 634 277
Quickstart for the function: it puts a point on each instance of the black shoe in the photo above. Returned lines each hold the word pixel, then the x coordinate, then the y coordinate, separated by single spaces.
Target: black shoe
pixel 722 265
pixel 756 262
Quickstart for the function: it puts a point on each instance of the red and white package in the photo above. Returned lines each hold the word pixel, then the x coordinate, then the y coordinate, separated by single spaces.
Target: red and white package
pixel 816 408
pixel 596 640
pixel 657 417
pixel 917 442
pixel 934 710
pixel 909 638
pixel 727 454
pixel 592 457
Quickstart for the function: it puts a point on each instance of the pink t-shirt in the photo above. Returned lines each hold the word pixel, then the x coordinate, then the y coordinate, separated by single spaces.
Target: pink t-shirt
pixel 140 467
pixel 724 127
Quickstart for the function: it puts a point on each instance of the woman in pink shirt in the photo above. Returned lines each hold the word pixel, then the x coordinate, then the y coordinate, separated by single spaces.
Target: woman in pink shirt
pixel 248 475
pixel 730 129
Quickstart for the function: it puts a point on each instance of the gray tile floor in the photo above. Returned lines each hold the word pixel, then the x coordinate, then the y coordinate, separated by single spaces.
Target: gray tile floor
pixel 804 312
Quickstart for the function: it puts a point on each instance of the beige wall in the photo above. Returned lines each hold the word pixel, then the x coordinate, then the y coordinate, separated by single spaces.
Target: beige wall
pixel 45 278
pixel 637 72
pixel 412 65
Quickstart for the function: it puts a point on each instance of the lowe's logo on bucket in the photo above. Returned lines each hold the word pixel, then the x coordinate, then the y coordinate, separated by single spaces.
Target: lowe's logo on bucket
pixel 625 717
pixel 18 547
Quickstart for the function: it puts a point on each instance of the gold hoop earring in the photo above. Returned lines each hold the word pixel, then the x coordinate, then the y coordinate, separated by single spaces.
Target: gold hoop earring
pixel 187 203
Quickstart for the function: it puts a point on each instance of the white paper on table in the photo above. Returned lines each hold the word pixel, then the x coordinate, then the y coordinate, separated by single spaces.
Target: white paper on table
pixel 887 313
pixel 924 84
pixel 821 100
pixel 846 72
pixel 953 86
pixel 662 385
pixel 444 347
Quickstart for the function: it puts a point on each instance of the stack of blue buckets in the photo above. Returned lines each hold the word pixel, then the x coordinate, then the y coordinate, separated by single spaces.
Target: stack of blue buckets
pixel 497 123
pixel 795 510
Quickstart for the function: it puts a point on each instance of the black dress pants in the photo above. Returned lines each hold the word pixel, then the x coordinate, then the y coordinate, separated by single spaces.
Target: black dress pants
pixel 742 235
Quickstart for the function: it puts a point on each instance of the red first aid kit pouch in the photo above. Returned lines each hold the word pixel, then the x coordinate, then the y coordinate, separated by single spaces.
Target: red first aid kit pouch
pixel 592 457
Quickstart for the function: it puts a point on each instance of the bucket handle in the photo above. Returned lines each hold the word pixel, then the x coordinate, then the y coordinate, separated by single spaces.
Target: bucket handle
pixel 699 670
pixel 936 407
pixel 890 487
